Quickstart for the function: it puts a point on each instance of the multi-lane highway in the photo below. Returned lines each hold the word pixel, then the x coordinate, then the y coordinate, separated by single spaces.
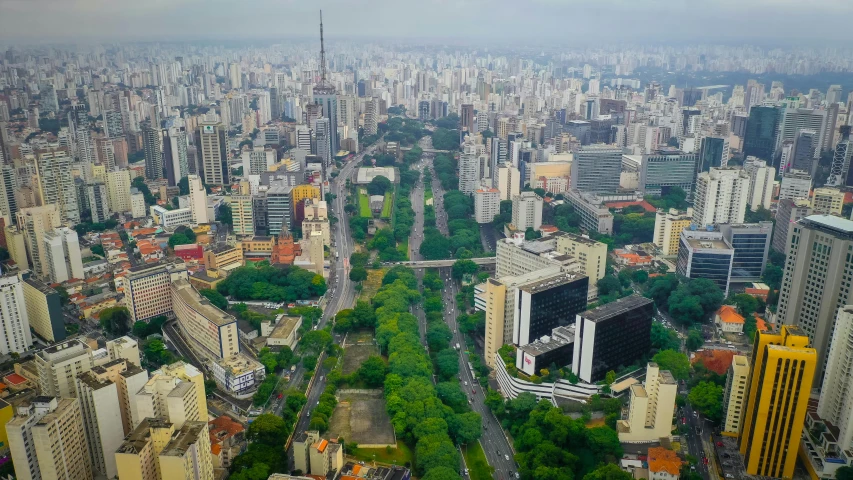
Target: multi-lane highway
pixel 341 293
pixel 495 444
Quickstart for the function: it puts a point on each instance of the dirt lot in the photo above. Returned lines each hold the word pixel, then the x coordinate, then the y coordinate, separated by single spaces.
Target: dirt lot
pixel 354 355
pixel 361 417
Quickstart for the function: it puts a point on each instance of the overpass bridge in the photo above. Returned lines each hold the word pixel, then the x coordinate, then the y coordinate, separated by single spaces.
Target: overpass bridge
pixel 439 263
pixel 426 150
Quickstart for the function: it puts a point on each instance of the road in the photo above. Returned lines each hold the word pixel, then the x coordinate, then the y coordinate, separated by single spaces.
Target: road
pixel 698 440
pixel 498 452
pixel 494 441
pixel 341 290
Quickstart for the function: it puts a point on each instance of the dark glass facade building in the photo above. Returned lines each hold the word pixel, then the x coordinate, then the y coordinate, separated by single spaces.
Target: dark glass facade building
pixel 704 254
pixel 546 304
pixel 751 243
pixel 611 336
pixel 761 130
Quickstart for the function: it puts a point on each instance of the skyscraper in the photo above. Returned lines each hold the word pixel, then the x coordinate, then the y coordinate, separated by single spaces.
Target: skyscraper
pixel 8 201
pixel 175 154
pixel 721 196
pixel 153 148
pixel 62 255
pixel 665 169
pixel 56 185
pixel 836 393
pixel 47 439
pixel 78 120
pixel 198 200
pixel 325 95
pixel 98 200
pixel 714 152
pixel 596 168
pixel 817 270
pixel 761 130
pixel 780 383
pixel 761 179
pixel 323 139
pixel 213 148
pixel 35 222
pixel 14 324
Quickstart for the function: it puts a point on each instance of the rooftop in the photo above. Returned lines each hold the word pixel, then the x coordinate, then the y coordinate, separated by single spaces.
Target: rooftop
pixel 728 314
pixel 664 460
pixel 184 438
pixel 284 326
pixel 835 225
pixel 201 305
pixel 544 345
pixel 610 310
pixel 551 282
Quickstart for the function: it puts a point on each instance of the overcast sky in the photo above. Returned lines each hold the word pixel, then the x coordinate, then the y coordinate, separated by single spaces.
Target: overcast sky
pixel 529 20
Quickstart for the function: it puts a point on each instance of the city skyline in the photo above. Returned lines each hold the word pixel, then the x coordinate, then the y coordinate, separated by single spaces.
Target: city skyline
pixel 535 21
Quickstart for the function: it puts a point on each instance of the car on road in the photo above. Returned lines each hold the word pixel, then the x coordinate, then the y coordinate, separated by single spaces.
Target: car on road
pixel 506 457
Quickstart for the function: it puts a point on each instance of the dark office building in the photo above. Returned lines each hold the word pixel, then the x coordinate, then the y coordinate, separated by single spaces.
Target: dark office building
pixel 601 131
pixel 579 129
pixel 545 304
pixel 711 154
pixel 760 137
pixel 362 88
pixel 610 106
pixel 611 336
pixel 751 242
pixel 705 254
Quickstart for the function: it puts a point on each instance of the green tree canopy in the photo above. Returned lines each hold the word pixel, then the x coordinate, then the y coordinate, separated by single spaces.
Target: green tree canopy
pixel 676 362
pixel 707 398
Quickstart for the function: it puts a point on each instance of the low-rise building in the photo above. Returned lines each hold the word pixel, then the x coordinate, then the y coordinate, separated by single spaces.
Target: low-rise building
pixel 285 332
pixel 171 218
pixel 238 374
pixel 316 456
pixel 223 257
pixel 728 320
pixel 207 328
pixel 664 464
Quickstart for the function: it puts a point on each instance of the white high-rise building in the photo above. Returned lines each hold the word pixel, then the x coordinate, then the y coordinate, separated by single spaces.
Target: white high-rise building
pixel 487 203
pixel 15 335
pixel 760 183
pixel 469 169
pixel 257 161
pixel 118 190
pixel 509 181
pixel 198 200
pixel 795 184
pixel 527 211
pixel 836 393
pixel 62 255
pixel 721 196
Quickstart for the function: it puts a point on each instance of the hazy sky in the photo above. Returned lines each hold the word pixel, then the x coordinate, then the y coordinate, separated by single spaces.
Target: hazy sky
pixel 531 20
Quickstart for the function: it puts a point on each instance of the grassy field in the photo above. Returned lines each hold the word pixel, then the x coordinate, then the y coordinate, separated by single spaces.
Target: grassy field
pixel 370 286
pixel 478 466
pixel 387 204
pixel 403 247
pixel 364 204
pixel 398 456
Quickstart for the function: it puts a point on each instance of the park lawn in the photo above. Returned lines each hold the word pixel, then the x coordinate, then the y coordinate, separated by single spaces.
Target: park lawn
pixel 387 204
pixel 475 459
pixel 397 456
pixel 403 247
pixel 372 285
pixel 364 204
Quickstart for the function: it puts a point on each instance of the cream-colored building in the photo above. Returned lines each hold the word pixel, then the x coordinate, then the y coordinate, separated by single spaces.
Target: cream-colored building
pixel 137 205
pixel 591 255
pixel 315 455
pixel 285 331
pixel 174 393
pixel 118 191
pixel 44 310
pixel 242 215
pixel 223 257
pixel 124 347
pixel 202 324
pixel 651 408
pixel 35 222
pixel 101 410
pixel 487 204
pixel 158 450
pixel 316 220
pixel 198 200
pixel 668 228
pixel 59 365
pixel 147 289
pixel 17 245
pixel 509 181
pixel 827 201
pixel 48 441
pixel 316 252
pixel 15 336
pixel 736 392
pixel 62 255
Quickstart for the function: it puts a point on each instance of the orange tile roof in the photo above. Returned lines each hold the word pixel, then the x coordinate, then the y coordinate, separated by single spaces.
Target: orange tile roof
pixel 215 448
pixel 664 460
pixel 761 325
pixel 728 314
pixel 321 446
